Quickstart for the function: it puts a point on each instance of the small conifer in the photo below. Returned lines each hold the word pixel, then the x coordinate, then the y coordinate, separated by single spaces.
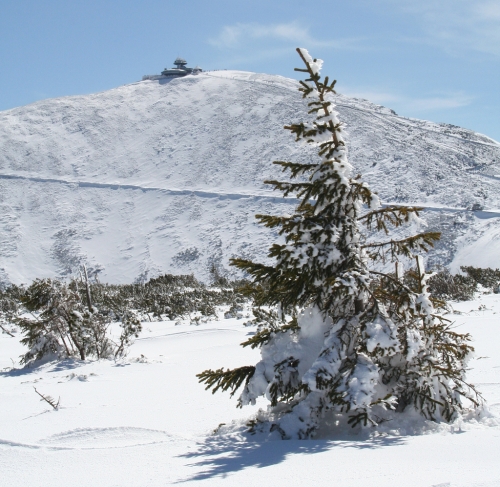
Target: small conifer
pixel 337 336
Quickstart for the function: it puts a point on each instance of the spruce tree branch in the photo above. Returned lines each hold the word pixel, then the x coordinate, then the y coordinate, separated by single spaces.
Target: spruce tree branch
pixel 226 379
pixel 49 400
pixel 421 241
pixel 252 267
pixel 259 339
pixel 401 210
pixel 272 221
pixel 6 331
pixel 295 167
pixel 281 185
pixel 395 281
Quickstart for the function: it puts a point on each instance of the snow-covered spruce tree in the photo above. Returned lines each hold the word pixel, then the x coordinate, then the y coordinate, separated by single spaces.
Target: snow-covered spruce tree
pixel 336 336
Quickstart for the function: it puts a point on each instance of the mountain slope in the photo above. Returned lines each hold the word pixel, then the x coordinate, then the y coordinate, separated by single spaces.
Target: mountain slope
pixel 166 177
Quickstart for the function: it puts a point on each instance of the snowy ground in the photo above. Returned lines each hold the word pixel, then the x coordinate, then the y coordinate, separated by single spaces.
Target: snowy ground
pixel 145 421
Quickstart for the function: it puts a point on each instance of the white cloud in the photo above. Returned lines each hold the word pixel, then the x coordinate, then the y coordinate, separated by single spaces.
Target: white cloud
pixel 412 105
pixel 436 102
pixel 240 34
pixel 458 26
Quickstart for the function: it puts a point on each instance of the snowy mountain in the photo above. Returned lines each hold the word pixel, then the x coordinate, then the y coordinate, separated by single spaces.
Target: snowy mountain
pixel 158 176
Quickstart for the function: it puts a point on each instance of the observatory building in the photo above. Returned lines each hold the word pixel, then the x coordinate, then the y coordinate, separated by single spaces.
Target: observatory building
pixel 180 69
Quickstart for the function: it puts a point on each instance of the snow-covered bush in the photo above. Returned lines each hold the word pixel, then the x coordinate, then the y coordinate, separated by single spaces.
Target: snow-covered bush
pixel 62 324
pixel 338 337
pixel 10 305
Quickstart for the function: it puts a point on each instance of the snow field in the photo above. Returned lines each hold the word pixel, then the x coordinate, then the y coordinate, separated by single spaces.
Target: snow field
pixel 145 421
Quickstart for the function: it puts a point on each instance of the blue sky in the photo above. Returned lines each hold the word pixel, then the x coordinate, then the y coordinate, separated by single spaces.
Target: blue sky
pixel 432 59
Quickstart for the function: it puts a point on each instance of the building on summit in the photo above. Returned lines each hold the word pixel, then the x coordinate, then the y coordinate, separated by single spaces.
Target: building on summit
pixel 180 69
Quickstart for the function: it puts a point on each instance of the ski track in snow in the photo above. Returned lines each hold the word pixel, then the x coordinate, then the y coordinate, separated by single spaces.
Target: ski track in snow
pixel 98 439
pixel 185 333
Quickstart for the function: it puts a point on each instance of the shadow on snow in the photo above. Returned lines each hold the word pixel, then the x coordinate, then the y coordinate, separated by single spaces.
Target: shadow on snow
pixel 49 366
pixel 220 456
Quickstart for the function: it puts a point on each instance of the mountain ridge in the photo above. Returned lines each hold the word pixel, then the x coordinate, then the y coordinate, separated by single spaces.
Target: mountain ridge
pixel 156 177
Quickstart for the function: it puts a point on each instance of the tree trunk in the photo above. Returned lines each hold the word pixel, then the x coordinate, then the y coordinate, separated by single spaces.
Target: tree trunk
pixel 359 305
pixel 87 288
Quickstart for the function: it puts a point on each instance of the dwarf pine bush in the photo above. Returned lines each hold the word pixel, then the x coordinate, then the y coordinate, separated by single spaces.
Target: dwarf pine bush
pixel 336 335
pixel 59 319
pixel 62 324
